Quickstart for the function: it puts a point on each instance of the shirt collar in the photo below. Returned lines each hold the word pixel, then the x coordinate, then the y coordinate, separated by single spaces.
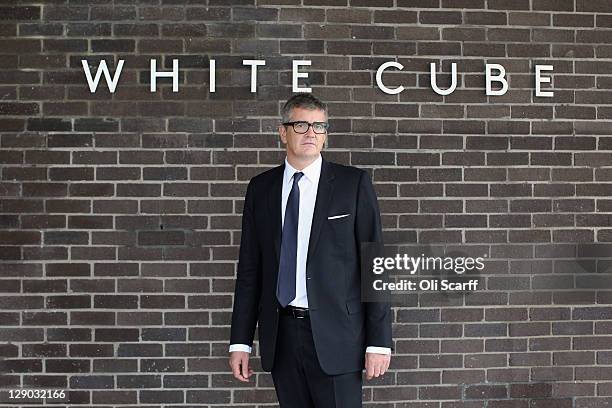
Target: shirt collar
pixel 312 172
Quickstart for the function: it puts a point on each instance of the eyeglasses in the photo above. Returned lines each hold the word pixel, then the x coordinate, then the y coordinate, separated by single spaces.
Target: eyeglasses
pixel 302 126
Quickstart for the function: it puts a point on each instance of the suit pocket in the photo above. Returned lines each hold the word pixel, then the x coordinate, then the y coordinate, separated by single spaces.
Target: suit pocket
pixel 341 225
pixel 354 306
pixel 339 218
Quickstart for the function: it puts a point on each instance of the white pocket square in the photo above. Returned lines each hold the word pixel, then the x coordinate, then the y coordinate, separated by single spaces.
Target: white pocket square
pixel 334 217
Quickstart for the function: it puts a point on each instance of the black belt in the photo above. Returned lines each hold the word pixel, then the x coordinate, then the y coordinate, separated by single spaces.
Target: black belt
pixel 295 312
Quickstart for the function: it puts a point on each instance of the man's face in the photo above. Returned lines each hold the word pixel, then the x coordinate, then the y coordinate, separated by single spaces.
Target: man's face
pixel 306 146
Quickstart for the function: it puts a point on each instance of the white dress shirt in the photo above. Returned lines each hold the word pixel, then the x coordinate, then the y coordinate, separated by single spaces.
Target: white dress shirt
pixel 308 185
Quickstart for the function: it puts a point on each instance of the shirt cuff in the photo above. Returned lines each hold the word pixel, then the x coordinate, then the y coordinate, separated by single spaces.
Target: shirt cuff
pixel 239 347
pixel 378 350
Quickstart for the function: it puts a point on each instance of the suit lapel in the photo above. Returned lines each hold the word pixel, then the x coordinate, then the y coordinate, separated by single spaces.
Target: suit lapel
pixel 324 194
pixel 274 206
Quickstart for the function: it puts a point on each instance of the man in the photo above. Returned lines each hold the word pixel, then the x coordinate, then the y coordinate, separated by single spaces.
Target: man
pixel 299 272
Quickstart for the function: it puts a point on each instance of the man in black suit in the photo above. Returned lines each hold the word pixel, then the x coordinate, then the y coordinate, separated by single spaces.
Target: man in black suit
pixel 299 272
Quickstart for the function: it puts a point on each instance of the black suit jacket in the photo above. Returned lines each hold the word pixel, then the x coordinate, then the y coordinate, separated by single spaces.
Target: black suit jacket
pixel 342 325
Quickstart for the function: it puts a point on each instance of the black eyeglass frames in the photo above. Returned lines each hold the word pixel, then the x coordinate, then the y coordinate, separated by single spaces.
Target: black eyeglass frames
pixel 302 126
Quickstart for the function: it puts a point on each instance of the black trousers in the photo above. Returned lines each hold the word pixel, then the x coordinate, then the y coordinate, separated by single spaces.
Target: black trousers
pixel 298 378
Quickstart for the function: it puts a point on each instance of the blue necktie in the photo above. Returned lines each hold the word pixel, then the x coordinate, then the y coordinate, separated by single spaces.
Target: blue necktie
pixel 285 288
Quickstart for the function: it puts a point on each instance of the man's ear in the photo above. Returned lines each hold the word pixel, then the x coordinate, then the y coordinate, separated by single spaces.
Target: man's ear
pixel 282 131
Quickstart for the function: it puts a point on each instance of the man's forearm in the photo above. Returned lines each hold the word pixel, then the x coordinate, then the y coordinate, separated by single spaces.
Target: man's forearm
pixel 248 279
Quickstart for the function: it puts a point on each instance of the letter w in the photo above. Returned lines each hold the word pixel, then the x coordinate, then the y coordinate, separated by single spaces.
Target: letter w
pixel 93 82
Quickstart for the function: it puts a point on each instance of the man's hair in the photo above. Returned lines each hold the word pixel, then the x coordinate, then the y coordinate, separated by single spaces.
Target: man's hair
pixel 304 101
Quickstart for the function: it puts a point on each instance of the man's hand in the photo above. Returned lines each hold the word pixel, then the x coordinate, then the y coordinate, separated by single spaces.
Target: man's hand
pixel 239 362
pixel 376 364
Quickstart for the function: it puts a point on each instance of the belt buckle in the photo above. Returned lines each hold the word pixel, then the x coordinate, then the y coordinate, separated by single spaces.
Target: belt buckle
pixel 296 313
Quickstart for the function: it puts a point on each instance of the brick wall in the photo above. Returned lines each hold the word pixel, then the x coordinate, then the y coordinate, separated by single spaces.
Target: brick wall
pixel 120 213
